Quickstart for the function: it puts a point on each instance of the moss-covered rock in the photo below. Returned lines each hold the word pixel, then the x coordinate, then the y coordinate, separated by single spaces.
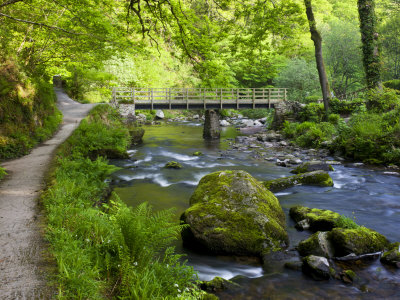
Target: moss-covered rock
pixel 319 178
pixel 197 153
pixel 392 257
pixel 317 267
pixel 318 244
pixel 173 165
pixel 312 166
pixel 232 213
pixel 318 219
pixel 136 134
pixel 218 284
pixel 359 241
pixel 348 276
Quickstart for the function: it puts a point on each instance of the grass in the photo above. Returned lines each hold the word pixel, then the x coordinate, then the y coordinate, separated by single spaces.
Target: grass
pixel 105 249
pixel 2 173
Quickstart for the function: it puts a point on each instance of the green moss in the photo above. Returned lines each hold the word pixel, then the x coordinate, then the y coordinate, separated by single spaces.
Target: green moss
pixel 312 166
pixel 217 284
pixel 359 241
pixel 319 178
pixel 233 213
pixel 173 165
pixel 197 153
pixel 350 274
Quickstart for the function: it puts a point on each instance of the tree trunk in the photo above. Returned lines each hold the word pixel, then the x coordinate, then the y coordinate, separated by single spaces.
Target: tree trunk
pixel 317 39
pixel 369 38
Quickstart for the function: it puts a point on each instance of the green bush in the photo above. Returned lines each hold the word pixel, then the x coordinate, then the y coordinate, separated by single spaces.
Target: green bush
pixel 311 99
pixel 309 134
pixel 313 112
pixel 371 137
pixel 2 173
pixel 382 100
pixel 256 113
pixel 392 84
pixel 334 119
pixel 342 107
pixel 108 250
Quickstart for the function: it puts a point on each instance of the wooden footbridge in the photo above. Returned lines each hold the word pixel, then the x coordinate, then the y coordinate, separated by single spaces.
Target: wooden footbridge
pixel 197 98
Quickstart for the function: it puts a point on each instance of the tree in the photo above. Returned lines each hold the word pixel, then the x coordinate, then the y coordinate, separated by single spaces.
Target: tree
pixel 369 39
pixel 317 39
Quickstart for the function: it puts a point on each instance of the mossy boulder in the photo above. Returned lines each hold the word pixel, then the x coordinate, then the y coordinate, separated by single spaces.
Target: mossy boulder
pixel 318 244
pixel 312 166
pixel 392 257
pixel 136 134
pixel 218 284
pixel 319 178
pixel 317 219
pixel 173 165
pixel 232 213
pixel 359 241
pixel 197 153
pixel 317 267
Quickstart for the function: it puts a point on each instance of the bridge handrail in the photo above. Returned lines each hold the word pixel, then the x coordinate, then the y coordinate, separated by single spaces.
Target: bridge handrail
pixel 198 95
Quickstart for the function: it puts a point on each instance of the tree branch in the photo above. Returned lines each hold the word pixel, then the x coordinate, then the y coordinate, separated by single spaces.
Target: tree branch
pixel 41 24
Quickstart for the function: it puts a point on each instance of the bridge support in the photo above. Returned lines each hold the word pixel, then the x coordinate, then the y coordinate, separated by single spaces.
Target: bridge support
pixel 212 128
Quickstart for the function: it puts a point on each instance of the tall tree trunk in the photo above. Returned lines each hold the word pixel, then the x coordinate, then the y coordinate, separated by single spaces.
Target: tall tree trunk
pixel 317 39
pixel 369 38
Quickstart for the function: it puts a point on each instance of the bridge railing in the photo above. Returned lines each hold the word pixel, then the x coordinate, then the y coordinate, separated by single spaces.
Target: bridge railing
pixel 198 96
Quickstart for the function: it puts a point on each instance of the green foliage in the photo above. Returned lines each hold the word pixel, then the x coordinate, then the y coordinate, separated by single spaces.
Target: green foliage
pixel 2 173
pixel 108 250
pixel 379 100
pixel 346 107
pixel 301 77
pixel 28 114
pixel 313 112
pixel 334 119
pixel 256 113
pixel 392 84
pixel 309 134
pixel 371 137
pixel 345 222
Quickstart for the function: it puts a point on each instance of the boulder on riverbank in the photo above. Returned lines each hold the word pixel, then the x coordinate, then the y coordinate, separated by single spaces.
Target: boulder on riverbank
pixel 319 178
pixel 232 213
pixel 312 166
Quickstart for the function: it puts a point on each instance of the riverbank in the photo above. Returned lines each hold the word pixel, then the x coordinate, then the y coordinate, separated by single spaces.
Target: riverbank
pixel 103 248
pixel 21 234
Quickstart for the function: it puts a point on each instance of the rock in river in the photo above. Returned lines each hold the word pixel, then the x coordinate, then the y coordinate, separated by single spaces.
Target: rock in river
pixel 319 178
pixel 312 166
pixel 232 213
pixel 392 257
pixel 317 267
pixel 173 165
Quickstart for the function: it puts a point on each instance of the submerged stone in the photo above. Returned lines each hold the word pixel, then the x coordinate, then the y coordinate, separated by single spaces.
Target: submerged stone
pixel 218 284
pixel 319 178
pixel 232 213
pixel 359 241
pixel 173 165
pixel 312 166
pixel 197 153
pixel 392 257
pixel 317 267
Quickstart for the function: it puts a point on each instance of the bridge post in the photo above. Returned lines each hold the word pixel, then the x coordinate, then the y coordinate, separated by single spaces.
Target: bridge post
pixel 212 128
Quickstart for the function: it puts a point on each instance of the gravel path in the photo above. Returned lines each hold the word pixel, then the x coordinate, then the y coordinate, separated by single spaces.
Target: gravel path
pixel 22 247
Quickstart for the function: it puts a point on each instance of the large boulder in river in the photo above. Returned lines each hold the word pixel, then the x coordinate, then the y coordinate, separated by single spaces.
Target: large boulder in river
pixel 318 178
pixel 359 241
pixel 312 166
pixel 232 213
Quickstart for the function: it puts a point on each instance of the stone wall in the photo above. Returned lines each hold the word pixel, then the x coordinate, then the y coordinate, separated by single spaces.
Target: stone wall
pixel 286 110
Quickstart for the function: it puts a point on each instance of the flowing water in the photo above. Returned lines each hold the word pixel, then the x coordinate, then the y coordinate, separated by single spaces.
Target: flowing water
pixel 371 197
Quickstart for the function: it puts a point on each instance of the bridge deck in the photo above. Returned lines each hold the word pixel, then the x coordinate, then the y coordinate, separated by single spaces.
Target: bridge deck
pixel 173 98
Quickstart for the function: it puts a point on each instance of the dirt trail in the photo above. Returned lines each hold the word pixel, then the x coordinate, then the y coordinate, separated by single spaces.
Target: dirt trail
pixel 21 238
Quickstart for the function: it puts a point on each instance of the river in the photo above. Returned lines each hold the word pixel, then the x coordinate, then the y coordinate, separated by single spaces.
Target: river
pixel 369 196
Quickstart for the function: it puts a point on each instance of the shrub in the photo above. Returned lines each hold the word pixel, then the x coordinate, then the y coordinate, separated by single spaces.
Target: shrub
pixel 311 99
pixel 309 134
pixel 392 84
pixel 2 173
pixel 313 112
pixel 334 119
pixel 382 100
pixel 342 107
pixel 256 113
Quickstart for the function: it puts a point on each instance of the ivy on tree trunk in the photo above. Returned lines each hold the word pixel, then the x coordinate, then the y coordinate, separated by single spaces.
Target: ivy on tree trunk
pixel 317 39
pixel 369 38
